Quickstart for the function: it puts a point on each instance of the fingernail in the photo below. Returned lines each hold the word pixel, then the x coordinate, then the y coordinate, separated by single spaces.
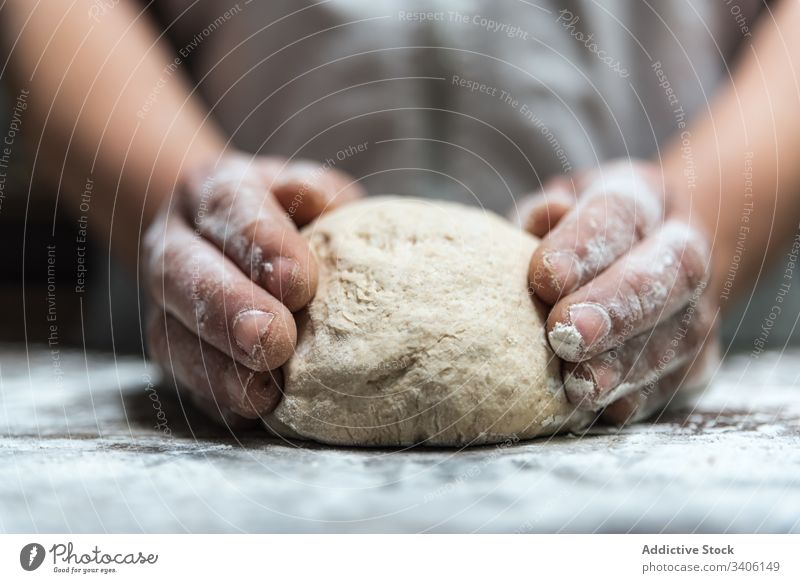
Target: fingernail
pixel 566 342
pixel 565 270
pixel 589 386
pixel 580 388
pixel 258 396
pixel 251 331
pixel 280 276
pixel 591 321
pixel 268 393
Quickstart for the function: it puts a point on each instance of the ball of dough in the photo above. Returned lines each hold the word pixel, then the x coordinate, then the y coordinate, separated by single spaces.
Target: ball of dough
pixel 422 331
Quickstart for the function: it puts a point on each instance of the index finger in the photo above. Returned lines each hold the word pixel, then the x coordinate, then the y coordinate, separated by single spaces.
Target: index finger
pixel 232 207
pixel 308 189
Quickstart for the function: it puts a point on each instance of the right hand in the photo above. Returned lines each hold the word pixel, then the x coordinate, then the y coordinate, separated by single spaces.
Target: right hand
pixel 225 267
pixel 624 266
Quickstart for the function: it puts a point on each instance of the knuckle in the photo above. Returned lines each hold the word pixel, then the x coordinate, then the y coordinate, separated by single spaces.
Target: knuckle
pixel 631 191
pixel 156 272
pixel 254 225
pixel 153 238
pixel 213 192
pixel 700 324
pixel 269 167
pixel 164 258
pixel 635 289
pixel 215 199
pixel 258 238
pixel 301 173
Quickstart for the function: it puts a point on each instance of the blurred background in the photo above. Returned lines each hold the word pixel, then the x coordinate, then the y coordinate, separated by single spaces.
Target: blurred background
pixel 106 316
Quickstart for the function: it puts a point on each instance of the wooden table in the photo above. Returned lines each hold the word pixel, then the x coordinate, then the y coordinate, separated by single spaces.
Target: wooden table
pixel 81 451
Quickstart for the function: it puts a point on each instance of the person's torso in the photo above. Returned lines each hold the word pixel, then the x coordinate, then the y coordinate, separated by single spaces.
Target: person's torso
pixel 475 101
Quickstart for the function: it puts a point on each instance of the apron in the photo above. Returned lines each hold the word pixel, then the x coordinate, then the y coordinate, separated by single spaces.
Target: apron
pixel 471 101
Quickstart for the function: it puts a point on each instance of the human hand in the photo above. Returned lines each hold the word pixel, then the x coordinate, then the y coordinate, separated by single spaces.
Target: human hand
pixel 625 273
pixel 225 267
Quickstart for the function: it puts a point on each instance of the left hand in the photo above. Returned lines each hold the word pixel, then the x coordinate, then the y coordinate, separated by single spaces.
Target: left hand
pixel 625 271
pixel 226 268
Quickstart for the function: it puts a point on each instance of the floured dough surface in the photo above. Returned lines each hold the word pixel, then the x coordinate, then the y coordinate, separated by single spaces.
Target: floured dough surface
pixel 422 331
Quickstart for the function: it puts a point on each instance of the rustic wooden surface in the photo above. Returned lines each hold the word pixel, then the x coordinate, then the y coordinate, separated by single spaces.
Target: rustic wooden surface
pixel 81 452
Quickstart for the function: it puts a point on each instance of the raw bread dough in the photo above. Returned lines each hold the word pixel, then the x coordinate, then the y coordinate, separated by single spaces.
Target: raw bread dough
pixel 422 331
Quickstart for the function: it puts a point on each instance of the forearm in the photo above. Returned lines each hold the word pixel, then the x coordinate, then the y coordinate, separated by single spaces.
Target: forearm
pixel 739 166
pixel 107 104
